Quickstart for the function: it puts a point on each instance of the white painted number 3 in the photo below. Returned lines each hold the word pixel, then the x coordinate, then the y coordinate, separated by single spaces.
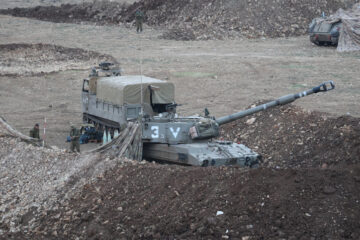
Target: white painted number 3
pixel 155 131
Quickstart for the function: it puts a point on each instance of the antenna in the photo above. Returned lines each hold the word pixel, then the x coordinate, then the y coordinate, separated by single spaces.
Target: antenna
pixel 141 80
pixel 47 79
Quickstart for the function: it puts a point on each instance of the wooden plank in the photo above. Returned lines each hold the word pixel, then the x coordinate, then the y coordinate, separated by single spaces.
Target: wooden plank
pixel 128 144
pixel 14 133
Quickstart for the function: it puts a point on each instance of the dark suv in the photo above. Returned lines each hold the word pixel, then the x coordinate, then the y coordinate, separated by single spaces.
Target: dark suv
pixel 323 32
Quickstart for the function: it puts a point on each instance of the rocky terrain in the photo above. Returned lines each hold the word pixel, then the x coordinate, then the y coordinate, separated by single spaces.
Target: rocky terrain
pixel 197 19
pixel 36 179
pixel 307 188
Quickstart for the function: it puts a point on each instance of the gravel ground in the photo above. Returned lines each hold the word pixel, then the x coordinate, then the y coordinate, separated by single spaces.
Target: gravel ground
pixel 35 180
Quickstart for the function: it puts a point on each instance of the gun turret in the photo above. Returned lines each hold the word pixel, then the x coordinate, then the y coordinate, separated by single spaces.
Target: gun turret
pixel 163 129
pixel 107 68
pixel 324 87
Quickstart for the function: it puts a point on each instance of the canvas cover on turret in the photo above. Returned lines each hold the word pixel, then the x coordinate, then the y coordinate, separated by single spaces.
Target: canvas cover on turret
pixel 127 90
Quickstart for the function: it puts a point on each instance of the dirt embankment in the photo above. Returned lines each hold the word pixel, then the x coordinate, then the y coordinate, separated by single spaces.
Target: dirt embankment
pixel 37 180
pixel 158 201
pixel 289 137
pixel 29 59
pixel 198 19
pixel 307 188
pixel 101 12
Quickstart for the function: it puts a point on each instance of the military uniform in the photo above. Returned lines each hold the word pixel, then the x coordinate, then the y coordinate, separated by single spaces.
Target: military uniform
pixel 139 18
pixel 35 132
pixel 75 139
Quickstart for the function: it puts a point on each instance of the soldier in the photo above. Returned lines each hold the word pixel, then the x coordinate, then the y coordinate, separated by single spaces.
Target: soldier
pixel 139 17
pixel 75 137
pixel 35 132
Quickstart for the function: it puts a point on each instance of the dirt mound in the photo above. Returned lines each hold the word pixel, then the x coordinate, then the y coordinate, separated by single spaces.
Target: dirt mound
pixel 99 11
pixel 52 194
pixel 198 19
pixel 36 179
pixel 29 59
pixel 26 3
pixel 158 201
pixel 289 137
pixel 213 19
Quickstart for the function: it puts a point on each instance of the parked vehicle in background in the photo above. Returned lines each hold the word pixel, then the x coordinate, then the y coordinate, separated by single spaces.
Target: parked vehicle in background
pixel 324 32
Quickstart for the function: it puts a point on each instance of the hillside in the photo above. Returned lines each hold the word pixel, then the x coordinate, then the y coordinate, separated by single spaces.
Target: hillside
pixel 197 19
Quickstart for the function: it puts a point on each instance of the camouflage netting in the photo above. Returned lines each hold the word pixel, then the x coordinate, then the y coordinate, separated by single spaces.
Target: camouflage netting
pixel 350 31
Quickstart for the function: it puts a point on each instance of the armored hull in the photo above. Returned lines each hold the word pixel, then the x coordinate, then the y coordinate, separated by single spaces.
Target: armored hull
pixel 112 102
pixel 217 153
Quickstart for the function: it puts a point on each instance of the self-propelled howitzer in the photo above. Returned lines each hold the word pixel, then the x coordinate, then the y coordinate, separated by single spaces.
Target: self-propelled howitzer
pixel 188 140
pixel 110 101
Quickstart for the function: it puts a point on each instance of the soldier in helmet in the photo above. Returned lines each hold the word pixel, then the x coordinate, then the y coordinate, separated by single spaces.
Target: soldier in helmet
pixel 74 137
pixel 35 132
pixel 139 18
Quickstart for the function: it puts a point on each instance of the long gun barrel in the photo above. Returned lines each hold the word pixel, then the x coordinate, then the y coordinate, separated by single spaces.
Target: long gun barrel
pixel 324 87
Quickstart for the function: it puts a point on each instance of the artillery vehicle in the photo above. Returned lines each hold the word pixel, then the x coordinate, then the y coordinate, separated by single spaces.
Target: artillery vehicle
pixel 323 32
pixel 111 101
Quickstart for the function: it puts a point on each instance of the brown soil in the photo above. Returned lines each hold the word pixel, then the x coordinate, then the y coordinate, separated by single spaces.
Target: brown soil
pixel 29 59
pixel 198 19
pixel 307 188
pixel 5 4
pixel 99 12
pixel 289 137
pixel 154 201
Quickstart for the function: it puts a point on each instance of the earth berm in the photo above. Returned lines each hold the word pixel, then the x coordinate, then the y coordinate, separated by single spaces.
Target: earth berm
pixel 290 197
pixel 197 19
